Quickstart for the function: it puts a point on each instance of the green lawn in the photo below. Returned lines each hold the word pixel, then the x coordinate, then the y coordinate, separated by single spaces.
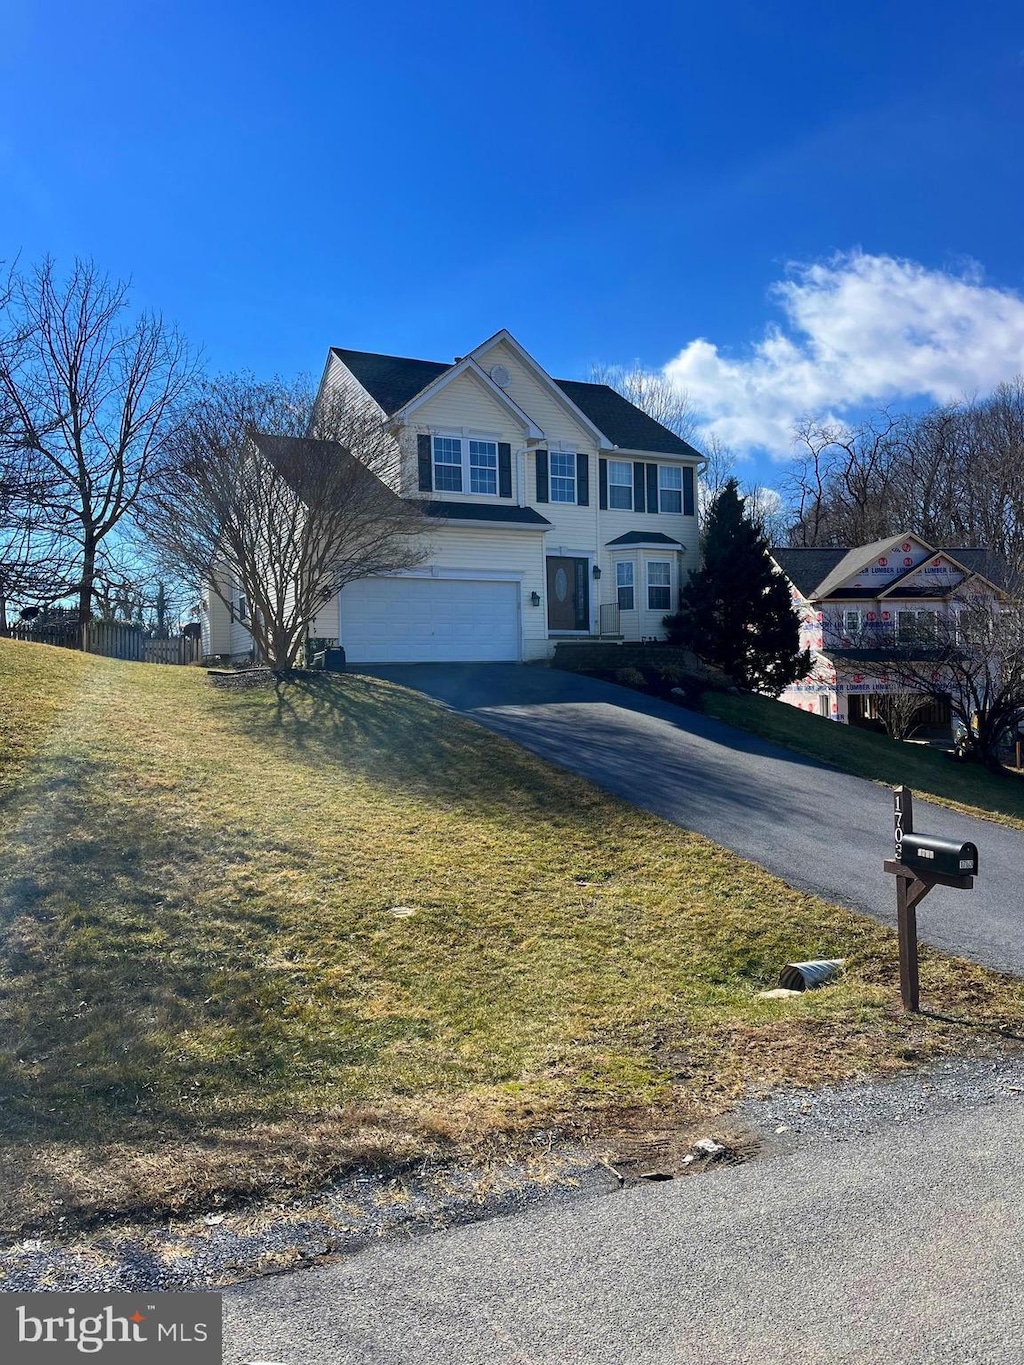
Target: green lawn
pixel 205 991
pixel 964 786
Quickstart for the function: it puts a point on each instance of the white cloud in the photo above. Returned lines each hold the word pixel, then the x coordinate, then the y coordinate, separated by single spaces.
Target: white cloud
pixel 859 331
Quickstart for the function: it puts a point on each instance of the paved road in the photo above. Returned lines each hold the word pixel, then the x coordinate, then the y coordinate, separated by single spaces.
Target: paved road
pixel 904 1245
pixel 820 830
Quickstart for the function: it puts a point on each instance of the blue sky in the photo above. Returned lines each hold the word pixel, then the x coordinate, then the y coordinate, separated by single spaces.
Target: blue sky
pixel 802 207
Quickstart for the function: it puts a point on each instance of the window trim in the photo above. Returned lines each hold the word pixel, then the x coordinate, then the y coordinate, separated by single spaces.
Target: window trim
pixel 629 587
pixel 465 465
pixel 570 478
pixel 623 464
pixel 435 464
pixel 651 563
pixel 488 469
pixel 662 490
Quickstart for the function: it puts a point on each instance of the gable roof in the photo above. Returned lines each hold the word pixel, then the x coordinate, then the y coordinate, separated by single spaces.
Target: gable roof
pixel 468 366
pixel 628 426
pixel 390 379
pixel 805 569
pixel 858 558
pixel 393 381
pixel 818 572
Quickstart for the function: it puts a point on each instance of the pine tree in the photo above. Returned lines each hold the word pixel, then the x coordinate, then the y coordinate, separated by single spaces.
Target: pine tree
pixel 736 613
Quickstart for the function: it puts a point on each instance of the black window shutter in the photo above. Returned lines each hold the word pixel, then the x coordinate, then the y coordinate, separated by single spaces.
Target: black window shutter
pixel 602 483
pixel 504 470
pixel 638 486
pixel 688 490
pixel 424 451
pixel 582 481
pixel 652 488
pixel 542 476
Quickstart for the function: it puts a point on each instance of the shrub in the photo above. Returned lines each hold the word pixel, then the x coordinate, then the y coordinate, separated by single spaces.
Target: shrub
pixel 630 677
pixel 662 678
pixel 673 627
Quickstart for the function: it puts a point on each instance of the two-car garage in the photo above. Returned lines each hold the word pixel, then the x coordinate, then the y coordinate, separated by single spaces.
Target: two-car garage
pixel 430 619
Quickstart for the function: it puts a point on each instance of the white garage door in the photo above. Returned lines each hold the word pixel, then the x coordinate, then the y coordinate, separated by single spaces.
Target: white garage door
pixel 422 620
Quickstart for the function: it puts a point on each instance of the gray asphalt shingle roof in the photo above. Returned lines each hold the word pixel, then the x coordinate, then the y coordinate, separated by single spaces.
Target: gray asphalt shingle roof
pixel 645 538
pixel 819 572
pixel 479 511
pixel 805 569
pixel 394 380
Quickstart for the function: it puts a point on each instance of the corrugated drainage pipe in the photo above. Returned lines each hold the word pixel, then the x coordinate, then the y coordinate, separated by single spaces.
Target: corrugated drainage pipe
pixel 806 976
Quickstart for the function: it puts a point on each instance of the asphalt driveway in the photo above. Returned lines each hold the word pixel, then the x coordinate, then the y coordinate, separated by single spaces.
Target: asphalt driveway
pixel 820 830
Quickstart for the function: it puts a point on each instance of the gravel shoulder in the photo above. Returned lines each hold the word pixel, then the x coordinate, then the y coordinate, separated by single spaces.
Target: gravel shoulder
pixel 370 1209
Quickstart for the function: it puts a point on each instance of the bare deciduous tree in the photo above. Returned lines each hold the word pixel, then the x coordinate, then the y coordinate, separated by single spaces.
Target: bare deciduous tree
pixel 652 393
pixel 969 655
pixel 953 474
pixel 898 712
pixel 88 397
pixel 255 493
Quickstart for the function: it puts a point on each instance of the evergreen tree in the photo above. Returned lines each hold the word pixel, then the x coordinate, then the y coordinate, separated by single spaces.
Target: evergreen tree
pixel 736 613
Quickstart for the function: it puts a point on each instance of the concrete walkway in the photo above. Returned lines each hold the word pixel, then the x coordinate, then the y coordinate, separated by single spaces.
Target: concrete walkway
pixel 820 830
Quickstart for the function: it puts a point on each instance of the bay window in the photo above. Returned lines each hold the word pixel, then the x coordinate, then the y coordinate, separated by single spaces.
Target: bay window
pixel 624 585
pixel 659 585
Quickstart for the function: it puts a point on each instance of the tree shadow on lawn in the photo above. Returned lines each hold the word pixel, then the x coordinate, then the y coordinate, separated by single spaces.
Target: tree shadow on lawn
pixel 129 1006
pixel 374 730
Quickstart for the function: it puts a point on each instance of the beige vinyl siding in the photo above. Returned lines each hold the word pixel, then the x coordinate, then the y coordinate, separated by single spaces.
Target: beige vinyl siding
pixel 615 522
pixel 325 623
pixel 239 639
pixel 463 408
pixel 553 417
pixel 493 551
pixel 341 383
pixel 216 624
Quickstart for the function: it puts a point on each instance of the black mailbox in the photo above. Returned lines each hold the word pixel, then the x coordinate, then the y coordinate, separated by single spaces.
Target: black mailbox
pixel 946 857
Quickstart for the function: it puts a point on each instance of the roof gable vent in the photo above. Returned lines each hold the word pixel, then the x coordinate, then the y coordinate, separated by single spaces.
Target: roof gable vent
pixel 501 376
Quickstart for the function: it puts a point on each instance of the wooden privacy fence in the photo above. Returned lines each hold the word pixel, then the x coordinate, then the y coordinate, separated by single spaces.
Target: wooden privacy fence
pixel 113 639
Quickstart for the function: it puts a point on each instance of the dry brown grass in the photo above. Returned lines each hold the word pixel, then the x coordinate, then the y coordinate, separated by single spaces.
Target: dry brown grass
pixel 204 995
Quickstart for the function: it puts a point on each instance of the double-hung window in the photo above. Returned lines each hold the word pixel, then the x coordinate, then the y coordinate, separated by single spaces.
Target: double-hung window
pixel 659 585
pixel 670 488
pixel 465 465
pixel 620 485
pixel 563 477
pixel 483 467
pixel 624 585
pixel 448 464
pixel 851 623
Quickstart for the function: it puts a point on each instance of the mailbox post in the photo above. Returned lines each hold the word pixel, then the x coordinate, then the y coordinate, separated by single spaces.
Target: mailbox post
pixel 921 862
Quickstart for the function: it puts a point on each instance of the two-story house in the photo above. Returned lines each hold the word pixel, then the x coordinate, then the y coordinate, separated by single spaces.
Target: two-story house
pixel 555 509
pixel 858 605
